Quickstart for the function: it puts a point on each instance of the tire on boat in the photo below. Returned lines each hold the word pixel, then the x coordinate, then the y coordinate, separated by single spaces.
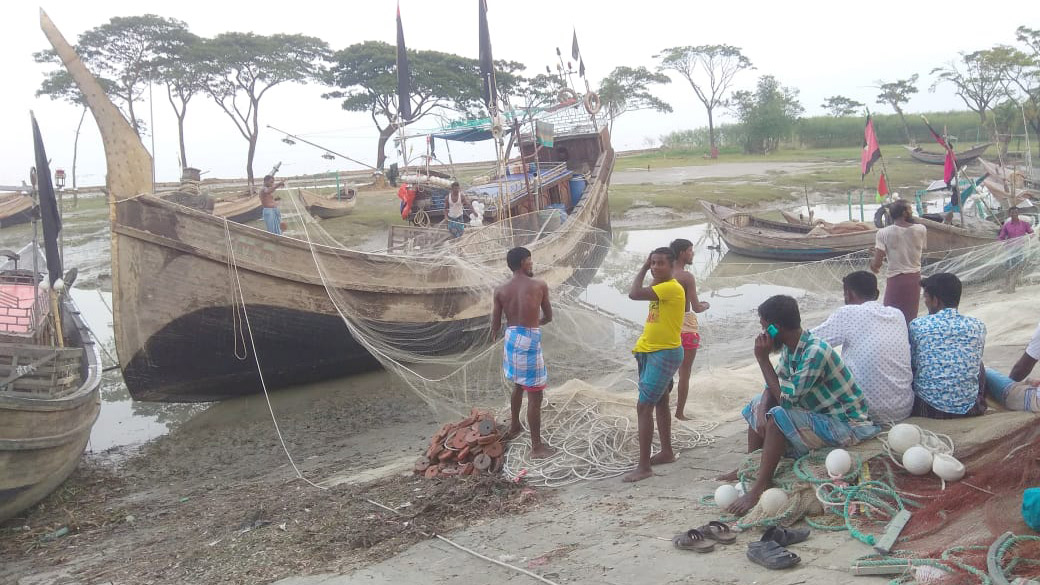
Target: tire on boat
pixel 882 217
pixel 566 95
pixel 592 103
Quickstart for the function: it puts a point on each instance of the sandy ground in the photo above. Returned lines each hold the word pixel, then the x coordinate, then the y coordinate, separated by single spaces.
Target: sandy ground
pixel 721 170
pixel 216 500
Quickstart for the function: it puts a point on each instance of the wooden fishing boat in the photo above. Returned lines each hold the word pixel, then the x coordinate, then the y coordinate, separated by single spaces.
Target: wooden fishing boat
pixel 48 392
pixel 327 207
pixel 964 157
pixel 15 208
pixel 241 209
pixel 1013 178
pixel 756 237
pixel 180 329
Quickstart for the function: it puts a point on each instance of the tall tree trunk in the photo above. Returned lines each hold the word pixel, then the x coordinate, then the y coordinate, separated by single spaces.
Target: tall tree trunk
pixel 384 136
pixel 906 127
pixel 254 136
pixel 711 133
pixel 133 116
pixel 180 136
pixel 75 146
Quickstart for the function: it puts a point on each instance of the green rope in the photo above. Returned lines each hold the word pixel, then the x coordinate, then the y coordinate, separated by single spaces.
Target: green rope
pixel 1012 564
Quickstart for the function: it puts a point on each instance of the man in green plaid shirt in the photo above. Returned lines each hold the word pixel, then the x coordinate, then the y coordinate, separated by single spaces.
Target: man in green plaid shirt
pixel 810 400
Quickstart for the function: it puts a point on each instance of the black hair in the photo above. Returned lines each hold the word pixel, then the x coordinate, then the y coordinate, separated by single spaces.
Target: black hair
pixel 782 311
pixel 666 252
pixel 1013 208
pixel 268 177
pixel 680 245
pixel 945 287
pixel 453 183
pixel 516 257
pixel 863 283
pixel 899 209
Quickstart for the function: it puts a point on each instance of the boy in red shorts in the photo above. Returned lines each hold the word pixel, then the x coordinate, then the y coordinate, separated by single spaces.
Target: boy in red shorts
pixel 691 339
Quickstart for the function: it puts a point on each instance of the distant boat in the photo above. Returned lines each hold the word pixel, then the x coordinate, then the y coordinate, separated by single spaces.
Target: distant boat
pixel 241 209
pixel 328 206
pixel 15 208
pixel 48 392
pixel 931 158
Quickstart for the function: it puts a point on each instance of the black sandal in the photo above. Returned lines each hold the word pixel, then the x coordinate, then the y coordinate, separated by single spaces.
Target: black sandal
pixel 785 536
pixel 771 555
pixel 718 532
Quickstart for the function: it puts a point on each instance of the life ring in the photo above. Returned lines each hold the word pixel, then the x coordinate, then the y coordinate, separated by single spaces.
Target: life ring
pixel 882 217
pixel 592 103
pixel 567 95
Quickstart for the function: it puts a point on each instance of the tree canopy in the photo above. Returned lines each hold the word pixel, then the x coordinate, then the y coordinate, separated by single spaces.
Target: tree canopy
pixel 895 94
pixel 627 89
pixel 976 79
pixel 840 106
pixel 710 70
pixel 768 114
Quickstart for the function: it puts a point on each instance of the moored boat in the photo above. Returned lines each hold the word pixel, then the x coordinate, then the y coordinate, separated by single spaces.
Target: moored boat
pixel 241 209
pixel 964 157
pixel 15 208
pixel 326 206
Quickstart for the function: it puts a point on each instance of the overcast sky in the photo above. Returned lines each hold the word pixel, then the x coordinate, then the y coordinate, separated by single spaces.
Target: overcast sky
pixel 821 48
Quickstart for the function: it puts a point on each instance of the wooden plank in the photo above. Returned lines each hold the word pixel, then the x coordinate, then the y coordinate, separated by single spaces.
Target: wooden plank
pixel 888 540
pixel 894 567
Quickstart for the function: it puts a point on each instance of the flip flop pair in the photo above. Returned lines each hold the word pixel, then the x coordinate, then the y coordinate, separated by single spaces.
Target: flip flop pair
pixel 703 538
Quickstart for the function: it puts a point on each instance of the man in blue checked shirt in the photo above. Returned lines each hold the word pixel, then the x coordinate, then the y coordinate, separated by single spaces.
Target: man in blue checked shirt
pixel 946 354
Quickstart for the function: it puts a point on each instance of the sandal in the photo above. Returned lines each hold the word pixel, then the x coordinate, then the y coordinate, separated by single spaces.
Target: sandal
pixel 785 536
pixel 718 532
pixel 693 540
pixel 771 555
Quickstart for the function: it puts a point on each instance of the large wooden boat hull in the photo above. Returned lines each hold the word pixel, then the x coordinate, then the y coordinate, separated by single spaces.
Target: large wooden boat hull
pixel 758 238
pixel 15 209
pixel 42 440
pixel 932 158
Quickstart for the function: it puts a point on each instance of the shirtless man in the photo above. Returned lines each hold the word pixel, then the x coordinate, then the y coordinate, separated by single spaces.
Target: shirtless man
pixel 272 215
pixel 525 301
pixel 691 339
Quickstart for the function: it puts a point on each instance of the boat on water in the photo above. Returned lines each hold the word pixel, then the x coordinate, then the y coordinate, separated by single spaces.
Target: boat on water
pixel 748 235
pixel 964 157
pixel 328 206
pixel 184 282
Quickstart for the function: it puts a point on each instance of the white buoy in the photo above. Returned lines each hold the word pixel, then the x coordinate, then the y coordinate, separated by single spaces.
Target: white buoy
pixel 725 495
pixel 917 460
pixel 947 467
pixel 739 486
pixel 773 500
pixel 59 285
pixel 839 462
pixel 903 436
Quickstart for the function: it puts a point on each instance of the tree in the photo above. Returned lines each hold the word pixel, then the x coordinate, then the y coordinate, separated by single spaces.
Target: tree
pixel 710 70
pixel 896 94
pixel 626 89
pixel 768 115
pixel 366 77
pixel 59 85
pixel 243 67
pixel 1018 72
pixel 180 66
pixel 840 106
pixel 976 80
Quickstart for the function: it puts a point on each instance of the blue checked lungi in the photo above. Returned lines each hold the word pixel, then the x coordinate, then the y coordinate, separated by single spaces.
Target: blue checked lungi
pixel 656 369
pixel 806 430
pixel 522 358
pixel 456 226
pixel 273 220
pixel 1011 394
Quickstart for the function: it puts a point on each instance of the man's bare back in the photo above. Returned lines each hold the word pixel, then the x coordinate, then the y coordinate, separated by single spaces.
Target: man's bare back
pixel 523 300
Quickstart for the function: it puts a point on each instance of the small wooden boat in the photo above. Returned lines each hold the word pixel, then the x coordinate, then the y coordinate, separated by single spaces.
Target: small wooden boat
pixel 1014 178
pixel 241 209
pixel 15 208
pixel 327 207
pixel 753 236
pixel 48 392
pixel 964 157
pixel 178 322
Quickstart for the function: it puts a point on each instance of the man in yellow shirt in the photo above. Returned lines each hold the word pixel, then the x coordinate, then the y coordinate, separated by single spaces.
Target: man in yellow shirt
pixel 658 355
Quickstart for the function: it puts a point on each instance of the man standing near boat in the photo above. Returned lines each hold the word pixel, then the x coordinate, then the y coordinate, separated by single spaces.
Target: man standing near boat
pixel 272 215
pixel 659 354
pixel 902 244
pixel 1013 229
pixel 525 302
pixel 690 337
pixel 455 210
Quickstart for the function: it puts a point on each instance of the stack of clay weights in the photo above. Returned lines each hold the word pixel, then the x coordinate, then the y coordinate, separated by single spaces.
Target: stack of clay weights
pixel 471 446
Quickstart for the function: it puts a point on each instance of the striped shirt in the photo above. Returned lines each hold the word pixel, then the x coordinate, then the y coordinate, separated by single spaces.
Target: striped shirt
pixel 813 377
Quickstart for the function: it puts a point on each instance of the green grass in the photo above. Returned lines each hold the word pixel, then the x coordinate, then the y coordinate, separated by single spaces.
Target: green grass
pixel 684 197
pixel 682 158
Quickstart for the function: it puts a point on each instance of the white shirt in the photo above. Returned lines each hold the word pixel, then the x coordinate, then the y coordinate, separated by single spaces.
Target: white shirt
pixel 903 247
pixel 876 348
pixel 1033 349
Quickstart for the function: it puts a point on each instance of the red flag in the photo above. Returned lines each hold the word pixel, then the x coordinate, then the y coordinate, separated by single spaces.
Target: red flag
pixel 950 163
pixel 882 187
pixel 871 151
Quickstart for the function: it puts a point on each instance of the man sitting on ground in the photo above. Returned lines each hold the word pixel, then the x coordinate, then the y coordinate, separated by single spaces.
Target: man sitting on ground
pixel 1017 391
pixel 875 347
pixel 810 400
pixel 946 354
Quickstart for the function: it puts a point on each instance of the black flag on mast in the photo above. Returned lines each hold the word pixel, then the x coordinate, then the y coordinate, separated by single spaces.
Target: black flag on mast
pixel 576 55
pixel 50 215
pixel 487 63
pixel 404 74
